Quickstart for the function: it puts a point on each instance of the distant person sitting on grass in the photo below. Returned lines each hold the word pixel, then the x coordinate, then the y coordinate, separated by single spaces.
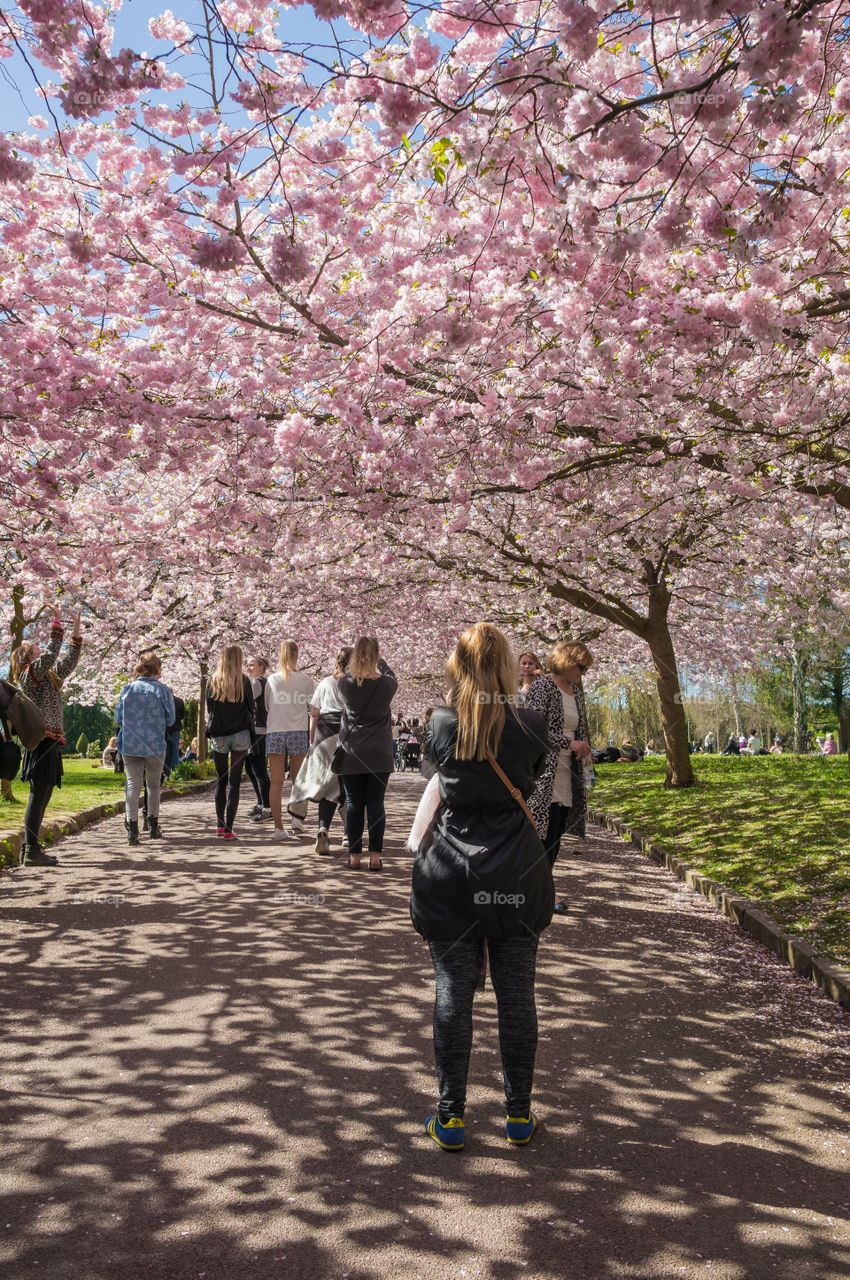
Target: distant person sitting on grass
pixel 732 748
pixel 830 746
pixel 629 753
pixel 110 751
pixel 777 748
pixel 754 745
pixel 192 751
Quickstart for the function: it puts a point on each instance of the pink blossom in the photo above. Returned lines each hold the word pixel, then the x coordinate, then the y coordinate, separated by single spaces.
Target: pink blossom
pixel 218 253
pixel 167 27
pixel 289 262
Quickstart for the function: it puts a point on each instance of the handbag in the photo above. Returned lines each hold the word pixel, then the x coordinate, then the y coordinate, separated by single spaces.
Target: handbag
pixel 10 755
pixel 339 754
pixel 515 791
pixel 22 713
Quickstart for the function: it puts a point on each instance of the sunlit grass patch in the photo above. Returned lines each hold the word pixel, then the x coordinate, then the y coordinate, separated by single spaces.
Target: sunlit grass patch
pixel 774 828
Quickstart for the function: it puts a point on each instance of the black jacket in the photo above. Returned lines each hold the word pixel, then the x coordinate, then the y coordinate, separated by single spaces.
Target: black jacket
pixel 179 713
pixel 366 734
pixel 485 873
pixel 224 718
pixel 260 709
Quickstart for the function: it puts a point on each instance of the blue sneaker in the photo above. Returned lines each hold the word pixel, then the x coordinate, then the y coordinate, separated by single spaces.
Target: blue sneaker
pixel 449 1136
pixel 519 1130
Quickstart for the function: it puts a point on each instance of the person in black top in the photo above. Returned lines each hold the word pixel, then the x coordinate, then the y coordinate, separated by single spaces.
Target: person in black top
pixel 366 691
pixel 230 722
pixel 483 883
pixel 256 765
pixel 172 735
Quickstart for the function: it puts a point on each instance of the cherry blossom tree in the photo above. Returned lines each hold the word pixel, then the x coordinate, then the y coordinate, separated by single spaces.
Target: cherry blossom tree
pixel 422 287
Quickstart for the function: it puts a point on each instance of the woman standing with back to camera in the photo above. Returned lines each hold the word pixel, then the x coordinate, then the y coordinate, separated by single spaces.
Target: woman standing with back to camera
pixel 230 719
pixel 483 881
pixel 366 691
pixel 287 694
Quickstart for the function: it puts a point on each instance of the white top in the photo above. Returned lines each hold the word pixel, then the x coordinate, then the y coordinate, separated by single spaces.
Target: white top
pixel 562 786
pixel 754 743
pixel 326 697
pixel 287 700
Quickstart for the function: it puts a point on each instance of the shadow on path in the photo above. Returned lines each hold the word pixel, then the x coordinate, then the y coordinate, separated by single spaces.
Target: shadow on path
pixel 217 1059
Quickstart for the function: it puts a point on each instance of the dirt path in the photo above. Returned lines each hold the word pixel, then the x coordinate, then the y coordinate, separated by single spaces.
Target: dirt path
pixel 217 1058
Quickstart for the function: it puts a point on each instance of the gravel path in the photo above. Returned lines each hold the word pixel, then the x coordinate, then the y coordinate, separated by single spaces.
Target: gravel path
pixel 217 1059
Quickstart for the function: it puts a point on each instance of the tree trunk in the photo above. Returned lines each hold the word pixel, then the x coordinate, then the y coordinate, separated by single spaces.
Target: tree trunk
pixel 736 702
pixel 202 713
pixel 16 627
pixel 18 622
pixel 844 731
pixel 680 771
pixel 838 701
pixel 798 692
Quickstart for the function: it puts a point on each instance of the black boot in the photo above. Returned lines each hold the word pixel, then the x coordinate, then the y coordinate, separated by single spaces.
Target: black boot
pixel 132 833
pixel 34 856
pixel 155 829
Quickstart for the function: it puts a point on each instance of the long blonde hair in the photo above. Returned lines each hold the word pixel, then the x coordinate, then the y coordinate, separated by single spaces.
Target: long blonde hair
pixel 482 674
pixel 288 657
pixel 21 658
pixel 364 658
pixel 227 681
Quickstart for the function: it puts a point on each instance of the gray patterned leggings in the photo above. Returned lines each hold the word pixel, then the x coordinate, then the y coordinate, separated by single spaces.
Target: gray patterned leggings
pixel 456 968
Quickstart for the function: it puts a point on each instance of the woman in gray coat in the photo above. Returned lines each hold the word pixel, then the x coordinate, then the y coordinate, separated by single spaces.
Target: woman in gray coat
pixel 366 692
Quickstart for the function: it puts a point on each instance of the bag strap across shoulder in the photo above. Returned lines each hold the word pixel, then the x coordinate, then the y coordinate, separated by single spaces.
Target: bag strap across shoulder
pixel 362 712
pixel 515 791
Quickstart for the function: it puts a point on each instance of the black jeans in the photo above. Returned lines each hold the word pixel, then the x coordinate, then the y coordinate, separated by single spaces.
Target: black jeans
pixel 327 809
pixel 228 766
pixel 456 968
pixel 41 789
pixel 257 770
pixel 558 818
pixel 364 797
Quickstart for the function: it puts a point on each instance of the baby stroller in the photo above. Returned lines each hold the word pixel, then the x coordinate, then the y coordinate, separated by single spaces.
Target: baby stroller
pixel 410 754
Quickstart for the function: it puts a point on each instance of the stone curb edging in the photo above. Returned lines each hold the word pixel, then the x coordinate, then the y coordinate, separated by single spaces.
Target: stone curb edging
pixel 53 832
pixel 831 978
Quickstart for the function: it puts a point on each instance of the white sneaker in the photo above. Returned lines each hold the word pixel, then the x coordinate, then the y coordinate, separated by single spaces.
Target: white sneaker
pixel 323 844
pixel 345 842
pixel 296 833
pixel 279 836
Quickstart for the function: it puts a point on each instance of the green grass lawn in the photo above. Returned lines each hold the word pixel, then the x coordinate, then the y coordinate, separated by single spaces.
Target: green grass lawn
pixel 82 788
pixel 774 828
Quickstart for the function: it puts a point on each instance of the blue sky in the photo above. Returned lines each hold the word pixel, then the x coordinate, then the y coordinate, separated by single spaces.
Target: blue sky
pixel 19 98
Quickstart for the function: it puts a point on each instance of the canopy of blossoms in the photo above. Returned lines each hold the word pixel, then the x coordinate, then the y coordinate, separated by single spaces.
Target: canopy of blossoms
pixel 417 312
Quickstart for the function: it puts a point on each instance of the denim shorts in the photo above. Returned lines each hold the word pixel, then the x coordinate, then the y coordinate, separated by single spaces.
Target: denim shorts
pixel 295 742
pixel 240 741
